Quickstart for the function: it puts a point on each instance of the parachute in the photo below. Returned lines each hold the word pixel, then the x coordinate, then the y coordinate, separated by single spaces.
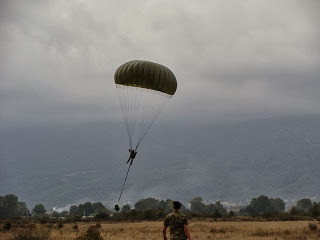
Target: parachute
pixel 144 88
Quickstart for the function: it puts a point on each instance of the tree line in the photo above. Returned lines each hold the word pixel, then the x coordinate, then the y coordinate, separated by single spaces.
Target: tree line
pixel 153 209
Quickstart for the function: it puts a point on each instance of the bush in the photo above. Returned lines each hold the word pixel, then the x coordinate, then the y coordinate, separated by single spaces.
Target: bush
pixel 313 226
pixel 45 219
pixel 102 215
pixel 75 227
pixel 231 213
pixel 49 225
pixel 6 226
pixel 60 225
pixel 150 214
pixel 32 233
pixel 92 234
pixel 73 218
pixel 217 214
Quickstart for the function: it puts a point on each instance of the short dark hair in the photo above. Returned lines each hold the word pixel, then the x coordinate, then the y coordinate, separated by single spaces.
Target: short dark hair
pixel 176 204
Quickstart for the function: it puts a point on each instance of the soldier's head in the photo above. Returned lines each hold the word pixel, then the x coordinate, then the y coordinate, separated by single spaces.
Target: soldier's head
pixel 176 205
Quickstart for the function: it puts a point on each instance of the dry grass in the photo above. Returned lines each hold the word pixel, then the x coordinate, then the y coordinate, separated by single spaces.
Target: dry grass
pixel 202 230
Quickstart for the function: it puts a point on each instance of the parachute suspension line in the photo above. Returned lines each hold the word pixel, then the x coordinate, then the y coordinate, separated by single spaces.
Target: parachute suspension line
pixel 141 107
pixel 128 102
pixel 123 104
pixel 131 120
pixel 158 105
pixel 152 112
pixel 135 111
pixel 124 182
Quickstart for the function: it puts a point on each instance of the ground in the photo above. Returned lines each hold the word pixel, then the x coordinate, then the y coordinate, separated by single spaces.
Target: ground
pixel 202 230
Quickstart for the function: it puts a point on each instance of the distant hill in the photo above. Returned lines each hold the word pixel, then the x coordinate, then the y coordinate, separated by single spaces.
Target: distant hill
pixel 277 157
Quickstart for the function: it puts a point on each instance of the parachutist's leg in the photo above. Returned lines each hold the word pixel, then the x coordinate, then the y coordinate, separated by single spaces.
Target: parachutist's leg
pixel 131 161
pixel 128 160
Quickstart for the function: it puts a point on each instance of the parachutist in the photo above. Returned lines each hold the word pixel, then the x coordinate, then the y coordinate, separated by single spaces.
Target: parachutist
pixel 144 88
pixel 133 154
pixel 116 207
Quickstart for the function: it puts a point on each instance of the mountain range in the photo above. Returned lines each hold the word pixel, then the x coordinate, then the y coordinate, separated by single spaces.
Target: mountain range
pixel 231 162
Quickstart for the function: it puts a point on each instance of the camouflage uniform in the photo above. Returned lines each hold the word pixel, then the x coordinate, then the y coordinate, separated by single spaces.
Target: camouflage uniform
pixel 176 222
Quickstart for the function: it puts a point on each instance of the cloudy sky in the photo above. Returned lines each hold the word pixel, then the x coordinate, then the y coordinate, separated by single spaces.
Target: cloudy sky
pixel 234 60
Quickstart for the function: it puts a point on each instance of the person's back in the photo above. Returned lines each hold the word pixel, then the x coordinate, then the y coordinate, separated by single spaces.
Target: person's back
pixel 176 221
pixel 178 224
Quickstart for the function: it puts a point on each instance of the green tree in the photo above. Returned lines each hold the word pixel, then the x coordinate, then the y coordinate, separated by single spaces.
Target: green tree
pixel 21 209
pixel 97 207
pixel 81 210
pixel 263 204
pixel 162 205
pixel 126 208
pixel 88 208
pixel 215 208
pixel 64 214
pixel 102 215
pixel 135 214
pixel 169 206
pixel 74 210
pixel 314 210
pixel 150 214
pixel 231 213
pixel 197 205
pixel 146 204
pixel 55 214
pixel 304 204
pixel 293 211
pixel 8 205
pixel 60 214
pixel 277 205
pixel 39 209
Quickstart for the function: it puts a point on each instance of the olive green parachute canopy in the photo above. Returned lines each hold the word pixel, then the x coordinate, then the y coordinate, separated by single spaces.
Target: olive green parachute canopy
pixel 145 74
pixel 144 88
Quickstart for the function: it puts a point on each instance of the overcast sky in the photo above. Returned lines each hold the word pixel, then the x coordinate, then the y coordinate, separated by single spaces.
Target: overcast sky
pixel 232 59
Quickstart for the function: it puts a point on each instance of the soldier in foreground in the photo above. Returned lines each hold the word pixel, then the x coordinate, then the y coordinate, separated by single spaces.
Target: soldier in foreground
pixel 178 224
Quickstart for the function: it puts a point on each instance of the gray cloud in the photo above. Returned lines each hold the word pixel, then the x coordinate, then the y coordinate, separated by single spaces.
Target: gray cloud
pixel 232 59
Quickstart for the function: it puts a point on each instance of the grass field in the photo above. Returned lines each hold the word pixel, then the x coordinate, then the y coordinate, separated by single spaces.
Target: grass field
pixel 202 230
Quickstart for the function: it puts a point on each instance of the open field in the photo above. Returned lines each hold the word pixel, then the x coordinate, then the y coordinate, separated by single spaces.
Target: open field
pixel 202 230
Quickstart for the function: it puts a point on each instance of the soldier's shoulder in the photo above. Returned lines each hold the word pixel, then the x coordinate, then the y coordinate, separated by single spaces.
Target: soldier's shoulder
pixel 181 214
pixel 176 214
pixel 171 214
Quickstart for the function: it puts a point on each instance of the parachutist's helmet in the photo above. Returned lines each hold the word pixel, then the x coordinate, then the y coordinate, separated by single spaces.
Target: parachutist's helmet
pixel 116 207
